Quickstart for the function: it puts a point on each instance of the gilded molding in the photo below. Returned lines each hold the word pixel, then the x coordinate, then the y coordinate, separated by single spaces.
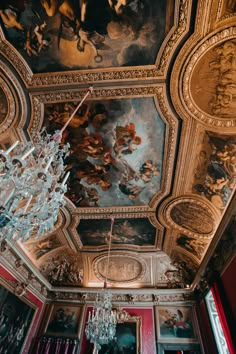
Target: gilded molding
pixel 184 10
pixel 221 17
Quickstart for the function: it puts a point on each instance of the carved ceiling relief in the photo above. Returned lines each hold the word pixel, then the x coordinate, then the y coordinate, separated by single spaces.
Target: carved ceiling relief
pixel 123 268
pixel 213 81
pixel 62 267
pixel 209 80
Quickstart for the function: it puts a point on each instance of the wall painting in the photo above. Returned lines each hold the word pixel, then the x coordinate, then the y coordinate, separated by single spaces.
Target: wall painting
pixel 15 319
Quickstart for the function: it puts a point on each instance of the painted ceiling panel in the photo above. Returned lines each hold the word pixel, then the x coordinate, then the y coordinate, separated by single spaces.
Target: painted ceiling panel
pixel 116 150
pixel 62 35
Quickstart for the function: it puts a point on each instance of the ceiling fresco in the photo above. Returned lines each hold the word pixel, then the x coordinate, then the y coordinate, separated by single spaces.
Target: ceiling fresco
pixel 116 150
pixel 215 169
pixel 136 232
pixel 153 147
pixel 195 246
pixel 38 248
pixel 55 35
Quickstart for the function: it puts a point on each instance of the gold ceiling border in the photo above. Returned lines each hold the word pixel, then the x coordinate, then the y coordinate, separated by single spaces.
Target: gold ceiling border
pixel 119 255
pixel 226 15
pixel 157 91
pixel 165 217
pixel 183 102
pixel 76 77
pixel 174 37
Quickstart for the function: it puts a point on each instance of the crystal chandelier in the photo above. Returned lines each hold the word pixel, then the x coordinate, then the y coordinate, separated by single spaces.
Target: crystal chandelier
pixel 31 193
pixel 101 325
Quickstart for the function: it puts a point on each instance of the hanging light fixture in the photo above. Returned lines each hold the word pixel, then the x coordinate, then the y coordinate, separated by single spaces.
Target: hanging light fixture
pixel 101 325
pixel 31 193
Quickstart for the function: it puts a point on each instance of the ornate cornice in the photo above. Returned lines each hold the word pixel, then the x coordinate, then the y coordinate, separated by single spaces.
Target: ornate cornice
pixel 128 298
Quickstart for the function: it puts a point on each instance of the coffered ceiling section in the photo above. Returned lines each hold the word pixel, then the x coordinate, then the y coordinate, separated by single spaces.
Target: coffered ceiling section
pixel 152 147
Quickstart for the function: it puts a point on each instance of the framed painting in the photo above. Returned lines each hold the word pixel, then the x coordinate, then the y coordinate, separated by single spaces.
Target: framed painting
pixel 15 320
pixel 175 324
pixel 64 320
pixel 172 348
pixel 127 339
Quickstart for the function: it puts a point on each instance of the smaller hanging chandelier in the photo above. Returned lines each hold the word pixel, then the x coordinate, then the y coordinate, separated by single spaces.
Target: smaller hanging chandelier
pixel 33 184
pixel 101 325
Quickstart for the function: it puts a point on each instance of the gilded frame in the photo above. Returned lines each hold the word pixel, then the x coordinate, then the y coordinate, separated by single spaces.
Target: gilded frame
pixel 138 333
pixel 65 309
pixel 188 322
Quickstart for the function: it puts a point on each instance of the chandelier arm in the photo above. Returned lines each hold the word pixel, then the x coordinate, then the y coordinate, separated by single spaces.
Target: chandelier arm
pixel 109 251
pixel 90 90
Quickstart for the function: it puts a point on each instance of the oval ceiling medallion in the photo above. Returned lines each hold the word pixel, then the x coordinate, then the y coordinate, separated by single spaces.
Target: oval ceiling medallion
pixel 122 268
pixel 212 83
pixel 191 216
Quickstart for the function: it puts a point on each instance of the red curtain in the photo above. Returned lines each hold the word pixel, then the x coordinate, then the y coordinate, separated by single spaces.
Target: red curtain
pixel 223 319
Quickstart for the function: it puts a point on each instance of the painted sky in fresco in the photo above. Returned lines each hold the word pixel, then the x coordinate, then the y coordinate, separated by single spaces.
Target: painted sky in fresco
pixel 116 151
pixel 55 35
pixel 138 232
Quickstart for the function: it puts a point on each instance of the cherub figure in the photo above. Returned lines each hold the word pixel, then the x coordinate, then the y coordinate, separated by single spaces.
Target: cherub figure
pixel 125 139
pixel 148 171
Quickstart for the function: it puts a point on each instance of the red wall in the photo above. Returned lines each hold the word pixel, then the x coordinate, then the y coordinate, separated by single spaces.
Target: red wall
pixel 39 307
pixel 148 335
pixel 228 281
